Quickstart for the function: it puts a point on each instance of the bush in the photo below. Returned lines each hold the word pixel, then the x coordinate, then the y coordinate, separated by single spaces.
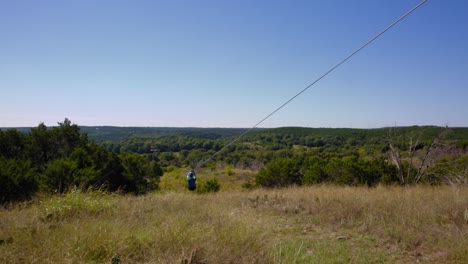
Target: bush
pixel 279 173
pixel 248 185
pixel 229 170
pixel 210 186
pixel 142 175
pixel 450 170
pixel 314 171
pixel 17 180
pixel 58 175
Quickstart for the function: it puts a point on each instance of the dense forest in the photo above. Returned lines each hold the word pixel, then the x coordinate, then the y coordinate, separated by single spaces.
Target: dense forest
pixel 131 159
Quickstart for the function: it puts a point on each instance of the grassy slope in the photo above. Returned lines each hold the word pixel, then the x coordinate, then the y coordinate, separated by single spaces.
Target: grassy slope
pixel 319 224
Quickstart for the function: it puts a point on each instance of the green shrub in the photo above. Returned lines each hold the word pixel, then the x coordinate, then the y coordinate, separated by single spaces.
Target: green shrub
pixel 229 170
pixel 142 175
pixel 278 173
pixel 210 186
pixel 17 180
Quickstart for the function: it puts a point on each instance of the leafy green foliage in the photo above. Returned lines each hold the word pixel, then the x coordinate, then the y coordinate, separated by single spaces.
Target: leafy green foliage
pixel 17 180
pixel 229 170
pixel 130 159
pixel 140 175
pixel 452 170
pixel 280 172
pixel 188 146
pixel 54 160
pixel 58 175
pixel 211 185
pixel 348 170
pixel 314 170
pixel 343 156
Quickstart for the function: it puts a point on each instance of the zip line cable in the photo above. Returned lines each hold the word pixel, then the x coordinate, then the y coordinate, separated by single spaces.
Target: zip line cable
pixel 314 82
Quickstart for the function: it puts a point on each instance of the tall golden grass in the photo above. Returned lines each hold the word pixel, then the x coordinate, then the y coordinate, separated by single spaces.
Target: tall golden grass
pixel 318 224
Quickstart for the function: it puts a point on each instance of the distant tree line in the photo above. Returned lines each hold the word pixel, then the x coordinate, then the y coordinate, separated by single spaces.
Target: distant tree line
pixel 52 160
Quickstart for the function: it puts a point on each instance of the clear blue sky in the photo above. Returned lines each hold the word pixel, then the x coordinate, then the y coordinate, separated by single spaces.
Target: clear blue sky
pixel 230 63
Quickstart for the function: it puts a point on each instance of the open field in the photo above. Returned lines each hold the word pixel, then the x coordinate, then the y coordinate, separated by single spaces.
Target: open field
pixel 319 224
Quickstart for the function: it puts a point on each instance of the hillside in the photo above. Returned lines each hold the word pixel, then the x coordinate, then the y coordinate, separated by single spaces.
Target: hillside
pixel 107 133
pixel 55 159
pixel 67 199
pixel 319 224
pixel 365 136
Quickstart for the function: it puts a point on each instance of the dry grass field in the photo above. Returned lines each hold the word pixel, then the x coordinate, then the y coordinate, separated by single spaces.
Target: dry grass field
pixel 318 224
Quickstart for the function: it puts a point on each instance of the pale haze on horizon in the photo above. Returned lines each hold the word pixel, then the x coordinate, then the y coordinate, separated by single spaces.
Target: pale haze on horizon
pixel 231 63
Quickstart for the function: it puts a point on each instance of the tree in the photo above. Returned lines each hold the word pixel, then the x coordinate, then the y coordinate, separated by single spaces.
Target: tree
pixel 41 145
pixel 69 136
pixel 142 175
pixel 12 144
pixel 17 180
pixel 58 175
pixel 450 170
pixel 210 186
pixel 56 159
pixel 409 171
pixel 109 166
pixel 314 170
pixel 279 173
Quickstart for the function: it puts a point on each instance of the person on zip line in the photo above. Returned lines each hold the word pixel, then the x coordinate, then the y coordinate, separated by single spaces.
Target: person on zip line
pixel 191 180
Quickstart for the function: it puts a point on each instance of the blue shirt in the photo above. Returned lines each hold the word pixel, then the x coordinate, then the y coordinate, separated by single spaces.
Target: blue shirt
pixel 191 180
